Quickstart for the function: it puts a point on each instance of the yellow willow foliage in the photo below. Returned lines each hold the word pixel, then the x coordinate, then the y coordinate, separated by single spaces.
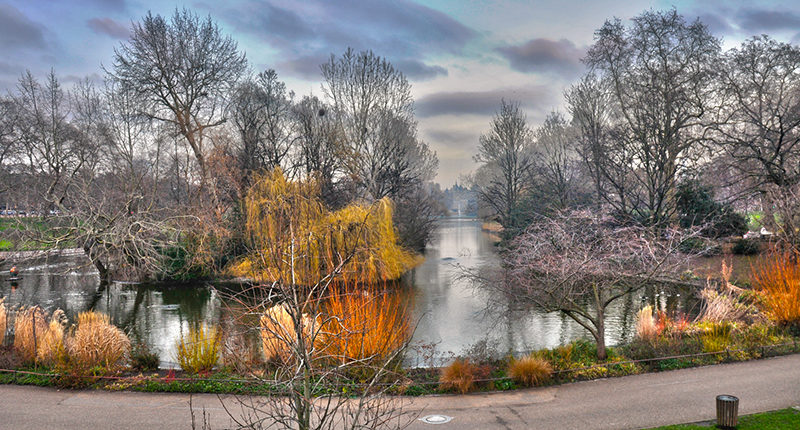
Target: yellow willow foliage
pixel 299 241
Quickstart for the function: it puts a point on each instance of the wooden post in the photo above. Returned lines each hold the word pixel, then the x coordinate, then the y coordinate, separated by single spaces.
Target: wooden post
pixel 727 411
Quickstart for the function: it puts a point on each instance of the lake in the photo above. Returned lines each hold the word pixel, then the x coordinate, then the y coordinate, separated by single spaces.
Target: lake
pixel 450 313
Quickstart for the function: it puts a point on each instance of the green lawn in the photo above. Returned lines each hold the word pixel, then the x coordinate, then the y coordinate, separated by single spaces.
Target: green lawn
pixel 784 419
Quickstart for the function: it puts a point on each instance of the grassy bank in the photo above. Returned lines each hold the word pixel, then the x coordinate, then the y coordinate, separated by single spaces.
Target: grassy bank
pixel 784 419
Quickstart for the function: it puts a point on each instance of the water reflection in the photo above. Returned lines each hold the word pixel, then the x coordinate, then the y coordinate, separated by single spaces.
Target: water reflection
pixel 449 311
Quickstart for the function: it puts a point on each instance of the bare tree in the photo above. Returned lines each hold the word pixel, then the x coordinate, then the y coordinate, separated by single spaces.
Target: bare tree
pixel 53 146
pixel 759 126
pixel 505 152
pixel 579 263
pixel 9 147
pixel 261 112
pixel 373 109
pixel 660 71
pixel 181 70
pixel 320 149
pixel 556 168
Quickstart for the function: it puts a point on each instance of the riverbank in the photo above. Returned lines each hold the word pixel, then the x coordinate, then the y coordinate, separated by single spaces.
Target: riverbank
pixel 630 402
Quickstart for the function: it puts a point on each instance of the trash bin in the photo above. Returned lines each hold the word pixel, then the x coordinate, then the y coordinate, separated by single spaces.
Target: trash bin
pixel 727 411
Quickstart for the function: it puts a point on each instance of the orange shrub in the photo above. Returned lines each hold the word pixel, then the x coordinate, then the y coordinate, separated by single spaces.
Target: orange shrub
pixel 459 376
pixel 369 324
pixel 3 316
pixel 777 278
pixel 530 370
pixel 278 334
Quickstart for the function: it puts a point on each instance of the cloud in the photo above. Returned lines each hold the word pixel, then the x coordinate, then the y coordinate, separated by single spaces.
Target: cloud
pixel 452 138
pixel 538 98
pixel 758 20
pixel 306 67
pixel 17 30
pixel 109 27
pixel 544 55
pixel 419 71
pixel 717 24
pixel 403 30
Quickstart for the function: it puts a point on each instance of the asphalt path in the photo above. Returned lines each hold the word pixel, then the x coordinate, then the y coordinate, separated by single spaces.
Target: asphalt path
pixel 629 402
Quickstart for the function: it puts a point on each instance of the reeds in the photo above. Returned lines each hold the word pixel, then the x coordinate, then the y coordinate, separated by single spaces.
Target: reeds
pixel 30 326
pixel 646 327
pixel 459 376
pixel 777 278
pixel 51 347
pixel 278 334
pixel 529 371
pixel 369 325
pixel 3 323
pixel 199 350
pixel 97 342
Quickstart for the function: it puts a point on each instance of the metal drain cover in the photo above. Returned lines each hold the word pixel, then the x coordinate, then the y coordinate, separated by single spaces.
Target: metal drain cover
pixel 436 419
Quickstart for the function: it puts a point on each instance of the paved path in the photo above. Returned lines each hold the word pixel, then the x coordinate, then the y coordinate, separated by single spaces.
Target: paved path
pixel 618 403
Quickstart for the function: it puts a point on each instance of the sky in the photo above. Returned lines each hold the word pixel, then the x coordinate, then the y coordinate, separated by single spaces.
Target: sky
pixel 461 56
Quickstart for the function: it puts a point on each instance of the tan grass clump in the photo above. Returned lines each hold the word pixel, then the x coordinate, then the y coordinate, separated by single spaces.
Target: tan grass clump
pixel 529 371
pixel 278 334
pixel 459 376
pixel 97 342
pixel 3 324
pixel 199 350
pixel 30 325
pixel 51 348
pixel 777 278
pixel 646 328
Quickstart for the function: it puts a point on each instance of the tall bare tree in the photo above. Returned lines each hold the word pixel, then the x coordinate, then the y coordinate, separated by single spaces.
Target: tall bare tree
pixel 181 69
pixel 373 109
pixel 556 168
pixel 661 71
pixel 261 112
pixel 507 159
pixel 759 126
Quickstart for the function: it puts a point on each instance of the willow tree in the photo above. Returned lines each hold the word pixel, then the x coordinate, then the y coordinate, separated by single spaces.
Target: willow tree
pixel 360 238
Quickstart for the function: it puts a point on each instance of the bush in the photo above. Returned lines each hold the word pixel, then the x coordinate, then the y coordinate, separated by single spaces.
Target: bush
pixel 459 376
pixel 777 278
pixel 746 247
pixel 143 358
pixel 696 207
pixel 715 336
pixel 371 324
pixel 199 351
pixel 530 371
pixel 96 342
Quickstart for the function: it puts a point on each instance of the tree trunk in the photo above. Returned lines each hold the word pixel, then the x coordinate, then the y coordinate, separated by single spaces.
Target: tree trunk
pixel 600 337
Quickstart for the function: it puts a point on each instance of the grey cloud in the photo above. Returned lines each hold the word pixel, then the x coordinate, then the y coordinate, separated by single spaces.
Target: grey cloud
pixel 717 24
pixel 544 55
pixel 109 27
pixel 17 30
pixel 538 98
pixel 307 66
pixel 758 20
pixel 303 30
pixel 452 138
pixel 417 70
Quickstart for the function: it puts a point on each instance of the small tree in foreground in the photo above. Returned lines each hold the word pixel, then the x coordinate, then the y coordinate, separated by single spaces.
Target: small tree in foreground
pixel 579 263
pixel 331 337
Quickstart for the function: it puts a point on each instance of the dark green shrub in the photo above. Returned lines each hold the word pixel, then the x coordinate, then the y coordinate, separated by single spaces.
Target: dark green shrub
pixel 746 247
pixel 143 358
pixel 696 207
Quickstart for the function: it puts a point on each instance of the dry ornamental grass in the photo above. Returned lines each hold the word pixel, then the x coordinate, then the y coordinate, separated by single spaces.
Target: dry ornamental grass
pixel 30 326
pixel 529 371
pixel 97 342
pixel 459 376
